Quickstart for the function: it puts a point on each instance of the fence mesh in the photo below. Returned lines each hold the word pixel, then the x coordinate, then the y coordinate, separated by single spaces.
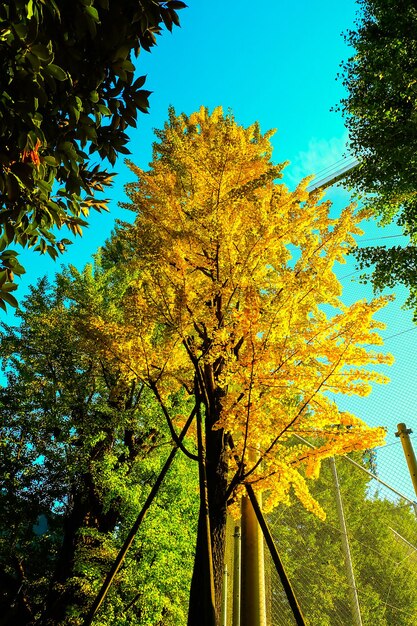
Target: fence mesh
pixel 381 530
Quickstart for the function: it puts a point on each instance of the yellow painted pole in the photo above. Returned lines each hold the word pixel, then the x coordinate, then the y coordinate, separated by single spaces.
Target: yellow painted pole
pixel 404 434
pixel 252 596
pixel 289 592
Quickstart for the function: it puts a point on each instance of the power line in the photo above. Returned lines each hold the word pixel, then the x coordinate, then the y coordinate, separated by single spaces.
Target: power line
pixel 340 165
pixel 351 274
pixel 400 333
pixel 385 339
pixel 333 165
pixel 332 174
pixel 383 237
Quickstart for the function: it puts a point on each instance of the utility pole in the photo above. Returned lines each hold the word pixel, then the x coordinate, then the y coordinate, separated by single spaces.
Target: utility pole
pixel 295 607
pixel 404 434
pixel 252 581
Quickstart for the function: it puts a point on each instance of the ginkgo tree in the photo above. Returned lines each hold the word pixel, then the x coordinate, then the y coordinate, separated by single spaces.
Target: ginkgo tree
pixel 236 301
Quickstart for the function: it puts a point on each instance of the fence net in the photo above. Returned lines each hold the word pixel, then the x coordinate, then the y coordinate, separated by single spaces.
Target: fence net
pixel 356 568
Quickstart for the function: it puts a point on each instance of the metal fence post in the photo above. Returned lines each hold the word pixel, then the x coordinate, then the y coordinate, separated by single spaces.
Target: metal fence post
pixel 356 611
pixel 236 577
pixel 224 595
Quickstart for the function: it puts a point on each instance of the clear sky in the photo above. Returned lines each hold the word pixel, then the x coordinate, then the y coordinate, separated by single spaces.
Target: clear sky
pixel 275 62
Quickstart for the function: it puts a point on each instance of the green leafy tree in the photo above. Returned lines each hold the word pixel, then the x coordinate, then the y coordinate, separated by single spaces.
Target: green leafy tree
pixel 67 94
pixel 81 447
pixel 381 116
pixel 384 566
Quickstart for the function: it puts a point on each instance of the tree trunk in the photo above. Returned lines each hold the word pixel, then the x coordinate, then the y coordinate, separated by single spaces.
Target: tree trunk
pixel 87 512
pixel 216 471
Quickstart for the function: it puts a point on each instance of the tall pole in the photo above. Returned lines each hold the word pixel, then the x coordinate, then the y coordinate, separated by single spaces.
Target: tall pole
pixel 404 434
pixel 224 596
pixel 236 577
pixel 252 596
pixel 289 592
pixel 354 600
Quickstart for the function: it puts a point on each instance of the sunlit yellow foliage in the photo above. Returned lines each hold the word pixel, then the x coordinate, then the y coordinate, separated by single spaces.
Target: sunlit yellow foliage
pixel 233 270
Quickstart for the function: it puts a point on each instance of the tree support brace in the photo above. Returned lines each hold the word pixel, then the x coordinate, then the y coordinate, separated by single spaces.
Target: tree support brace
pixel 129 539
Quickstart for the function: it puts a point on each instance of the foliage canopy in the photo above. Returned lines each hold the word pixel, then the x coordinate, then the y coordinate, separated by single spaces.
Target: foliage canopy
pixel 67 94
pixel 236 302
pixel 80 450
pixel 380 113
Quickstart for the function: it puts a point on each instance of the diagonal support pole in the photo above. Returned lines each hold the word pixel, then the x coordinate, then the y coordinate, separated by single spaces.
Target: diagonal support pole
pixel 129 539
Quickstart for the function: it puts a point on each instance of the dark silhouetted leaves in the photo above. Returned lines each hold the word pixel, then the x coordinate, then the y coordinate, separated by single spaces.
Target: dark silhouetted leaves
pixel 66 83
pixel 380 112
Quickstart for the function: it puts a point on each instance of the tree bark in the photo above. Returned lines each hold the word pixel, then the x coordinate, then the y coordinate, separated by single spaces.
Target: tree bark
pixel 86 512
pixel 216 471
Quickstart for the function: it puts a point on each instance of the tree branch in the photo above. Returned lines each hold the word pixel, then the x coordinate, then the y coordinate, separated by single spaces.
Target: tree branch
pixel 174 435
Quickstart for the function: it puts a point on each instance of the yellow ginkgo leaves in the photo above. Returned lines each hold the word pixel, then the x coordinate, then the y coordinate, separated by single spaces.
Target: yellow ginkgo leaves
pixel 232 274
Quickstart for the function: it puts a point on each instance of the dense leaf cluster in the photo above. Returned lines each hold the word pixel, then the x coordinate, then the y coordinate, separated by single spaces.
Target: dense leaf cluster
pixel 67 93
pixel 81 447
pixel 380 107
pixel 381 116
pixel 392 265
pixel 235 301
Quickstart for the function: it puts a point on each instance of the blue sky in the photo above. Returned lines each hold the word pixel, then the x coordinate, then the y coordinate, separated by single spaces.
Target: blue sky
pixel 275 62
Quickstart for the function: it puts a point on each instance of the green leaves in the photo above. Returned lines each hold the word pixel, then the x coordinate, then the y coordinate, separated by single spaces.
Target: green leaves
pixel 140 98
pixel 380 116
pixel 9 267
pixel 68 84
pixel 7 297
pixel 92 12
pixel 56 71
pixel 44 53
pixel 371 514
pixel 73 428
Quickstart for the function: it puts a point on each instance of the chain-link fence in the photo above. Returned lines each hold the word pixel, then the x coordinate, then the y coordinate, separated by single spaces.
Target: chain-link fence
pixel 377 584
pixel 356 568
